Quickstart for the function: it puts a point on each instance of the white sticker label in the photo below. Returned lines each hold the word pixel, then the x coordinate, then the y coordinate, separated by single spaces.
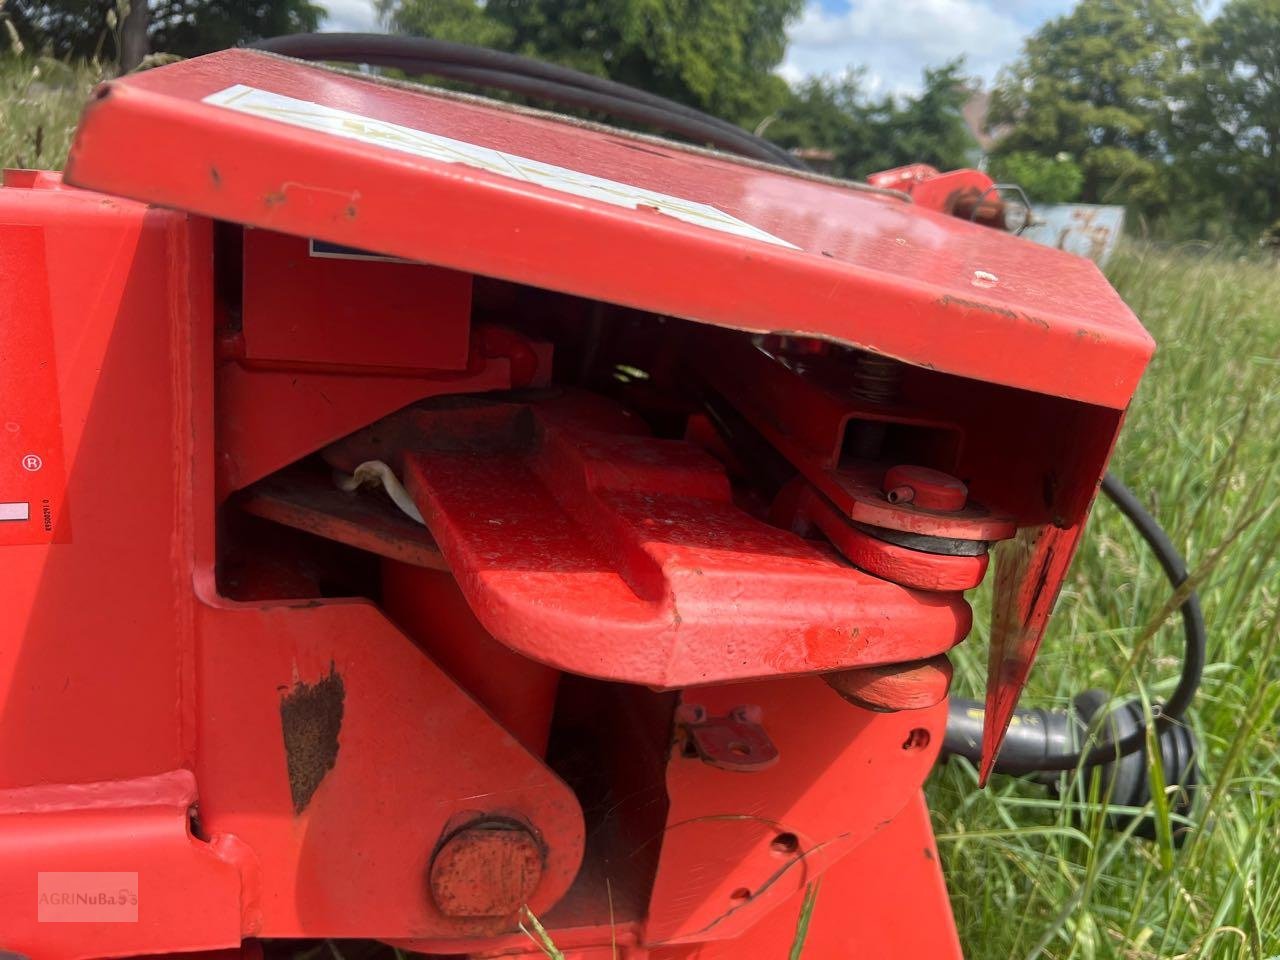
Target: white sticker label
pixel 15 511
pixel 393 136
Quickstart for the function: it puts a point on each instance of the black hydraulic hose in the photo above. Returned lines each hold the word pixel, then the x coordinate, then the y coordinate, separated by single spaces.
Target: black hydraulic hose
pixel 738 142
pixel 532 78
pixel 373 48
pixel 1035 735
pixel 1175 568
pixel 1033 746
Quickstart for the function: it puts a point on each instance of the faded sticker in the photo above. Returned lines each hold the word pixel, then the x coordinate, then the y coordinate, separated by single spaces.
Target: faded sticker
pixel 394 136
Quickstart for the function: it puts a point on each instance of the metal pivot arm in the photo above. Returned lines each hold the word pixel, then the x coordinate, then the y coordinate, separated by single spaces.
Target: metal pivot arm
pixel 585 544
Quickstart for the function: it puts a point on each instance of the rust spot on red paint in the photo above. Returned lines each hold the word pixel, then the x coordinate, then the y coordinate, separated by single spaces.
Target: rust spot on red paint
pixel 948 300
pixel 311 718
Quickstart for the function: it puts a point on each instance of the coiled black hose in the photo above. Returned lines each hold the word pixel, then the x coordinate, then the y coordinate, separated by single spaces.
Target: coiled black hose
pixel 531 78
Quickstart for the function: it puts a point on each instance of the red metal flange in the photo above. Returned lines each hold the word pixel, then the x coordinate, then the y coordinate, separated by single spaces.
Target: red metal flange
pixel 866 487
pixel 911 568
pixel 800 504
pixel 930 489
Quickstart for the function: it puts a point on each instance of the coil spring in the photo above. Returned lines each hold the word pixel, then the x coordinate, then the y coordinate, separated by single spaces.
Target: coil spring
pixel 876 378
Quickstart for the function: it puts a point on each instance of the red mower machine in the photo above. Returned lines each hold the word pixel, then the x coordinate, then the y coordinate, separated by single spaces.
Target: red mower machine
pixel 421 514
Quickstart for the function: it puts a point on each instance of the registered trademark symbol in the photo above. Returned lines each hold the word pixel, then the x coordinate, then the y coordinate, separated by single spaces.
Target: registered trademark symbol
pixel 32 462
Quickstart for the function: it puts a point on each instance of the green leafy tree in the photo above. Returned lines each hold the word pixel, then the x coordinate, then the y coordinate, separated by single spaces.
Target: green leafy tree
pixel 105 29
pixel 1230 127
pixel 71 28
pixel 717 55
pixel 458 21
pixel 832 113
pixel 1096 84
pixel 930 128
pixel 1055 179
pixel 867 134
pixel 192 27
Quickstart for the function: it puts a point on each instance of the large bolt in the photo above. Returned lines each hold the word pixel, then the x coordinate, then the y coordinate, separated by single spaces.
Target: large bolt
pixel 488 868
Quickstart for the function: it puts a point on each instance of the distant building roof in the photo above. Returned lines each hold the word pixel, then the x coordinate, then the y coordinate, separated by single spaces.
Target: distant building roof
pixel 975 112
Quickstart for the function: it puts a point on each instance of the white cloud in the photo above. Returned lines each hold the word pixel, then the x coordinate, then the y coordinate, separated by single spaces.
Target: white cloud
pixel 350 16
pixel 895 39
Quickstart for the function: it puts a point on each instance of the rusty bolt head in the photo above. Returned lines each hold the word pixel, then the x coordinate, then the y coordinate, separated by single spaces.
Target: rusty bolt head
pixel 489 868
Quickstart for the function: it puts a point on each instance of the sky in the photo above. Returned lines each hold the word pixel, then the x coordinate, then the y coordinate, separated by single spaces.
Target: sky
pixel 894 40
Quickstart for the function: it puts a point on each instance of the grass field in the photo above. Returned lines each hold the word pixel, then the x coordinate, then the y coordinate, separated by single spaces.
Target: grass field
pixel 39 103
pixel 1032 877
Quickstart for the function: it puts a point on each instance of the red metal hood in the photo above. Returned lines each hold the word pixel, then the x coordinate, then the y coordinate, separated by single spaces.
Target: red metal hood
pixel 261 140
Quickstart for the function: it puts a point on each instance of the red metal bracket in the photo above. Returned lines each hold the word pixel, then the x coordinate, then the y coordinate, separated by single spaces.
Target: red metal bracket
pixel 736 741
pixel 736 846
pixel 587 546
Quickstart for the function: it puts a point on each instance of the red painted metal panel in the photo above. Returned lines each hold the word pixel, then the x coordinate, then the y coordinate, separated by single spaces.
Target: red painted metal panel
pixel 331 311
pixel 851 264
pixel 1029 574
pixel 335 756
pixel 429 607
pixel 88 629
pixel 738 844
pixel 65 849
pixel 343 850
pixel 885 900
pixel 267 419
pixel 33 477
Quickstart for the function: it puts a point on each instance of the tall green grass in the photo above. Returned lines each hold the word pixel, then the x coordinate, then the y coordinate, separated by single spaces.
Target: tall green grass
pixel 40 101
pixel 1032 877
